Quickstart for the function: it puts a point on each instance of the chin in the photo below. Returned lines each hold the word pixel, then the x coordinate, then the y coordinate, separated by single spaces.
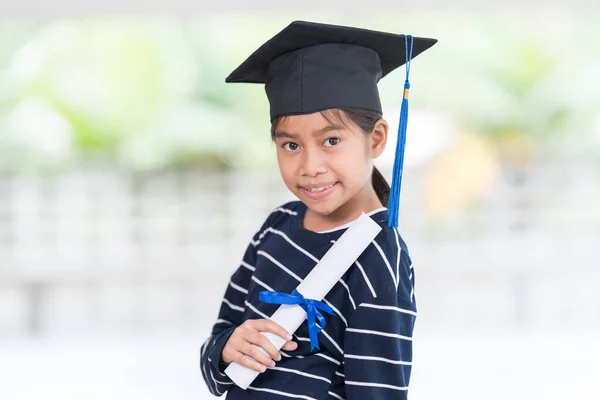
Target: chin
pixel 322 207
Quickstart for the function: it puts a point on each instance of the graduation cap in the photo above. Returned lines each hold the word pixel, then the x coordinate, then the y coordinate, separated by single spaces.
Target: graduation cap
pixel 310 67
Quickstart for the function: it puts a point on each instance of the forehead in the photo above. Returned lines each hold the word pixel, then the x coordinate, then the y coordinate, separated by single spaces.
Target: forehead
pixel 302 123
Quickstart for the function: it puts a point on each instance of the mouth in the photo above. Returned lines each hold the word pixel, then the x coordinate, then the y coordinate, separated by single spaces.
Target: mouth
pixel 319 192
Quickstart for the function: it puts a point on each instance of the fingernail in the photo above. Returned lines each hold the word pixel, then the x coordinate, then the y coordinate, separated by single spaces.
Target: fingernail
pixel 289 337
pixel 279 358
pixel 273 363
pixel 263 368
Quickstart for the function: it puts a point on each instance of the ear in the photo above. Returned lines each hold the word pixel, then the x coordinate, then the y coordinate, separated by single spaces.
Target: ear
pixel 379 138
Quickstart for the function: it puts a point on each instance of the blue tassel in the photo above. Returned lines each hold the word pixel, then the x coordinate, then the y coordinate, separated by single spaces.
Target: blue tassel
pixel 394 200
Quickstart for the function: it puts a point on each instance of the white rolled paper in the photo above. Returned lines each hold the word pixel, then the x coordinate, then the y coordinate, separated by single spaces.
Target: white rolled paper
pixel 315 286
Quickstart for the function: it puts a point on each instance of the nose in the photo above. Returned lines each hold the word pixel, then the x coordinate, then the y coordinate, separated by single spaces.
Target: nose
pixel 313 163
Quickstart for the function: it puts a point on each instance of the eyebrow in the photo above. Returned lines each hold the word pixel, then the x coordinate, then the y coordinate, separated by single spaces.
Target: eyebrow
pixel 328 128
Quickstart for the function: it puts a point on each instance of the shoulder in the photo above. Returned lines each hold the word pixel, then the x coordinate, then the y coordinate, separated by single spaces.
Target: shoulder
pixel 291 208
pixel 279 216
pixel 383 269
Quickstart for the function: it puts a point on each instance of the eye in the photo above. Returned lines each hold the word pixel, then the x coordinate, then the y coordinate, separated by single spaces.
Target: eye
pixel 290 146
pixel 332 141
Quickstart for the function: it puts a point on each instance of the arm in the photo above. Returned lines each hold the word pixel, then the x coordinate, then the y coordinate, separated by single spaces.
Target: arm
pixel 378 349
pixel 230 317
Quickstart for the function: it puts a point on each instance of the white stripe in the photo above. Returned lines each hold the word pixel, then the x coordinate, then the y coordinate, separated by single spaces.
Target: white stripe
pixel 289 356
pixel 222 374
pixel 204 347
pixel 295 396
pixel 373 384
pixel 203 364
pixel 293 371
pixel 283 235
pixel 283 267
pixel 303 339
pixel 332 341
pixel 366 278
pixel 338 373
pixel 347 288
pixel 238 288
pixel 285 210
pixel 368 332
pixel 378 307
pixel 410 276
pixel 315 259
pixel 262 235
pixel 246 265
pixel 335 310
pixel 204 375
pixel 256 310
pixel 337 396
pixel 412 294
pixel 217 382
pixel 338 228
pixel 349 295
pixel 387 360
pixel 220 382
pixel 397 259
pixel 389 267
pixel 333 360
pixel 233 306
pixel 224 321
pixel 261 283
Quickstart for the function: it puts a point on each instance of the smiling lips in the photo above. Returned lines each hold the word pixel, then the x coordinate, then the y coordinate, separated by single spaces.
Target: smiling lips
pixel 317 189
pixel 317 192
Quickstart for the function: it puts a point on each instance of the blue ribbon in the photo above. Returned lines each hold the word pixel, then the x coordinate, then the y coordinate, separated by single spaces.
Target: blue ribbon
pixel 311 307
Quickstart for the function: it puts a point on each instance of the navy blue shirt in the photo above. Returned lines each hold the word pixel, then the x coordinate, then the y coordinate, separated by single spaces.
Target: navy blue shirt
pixel 366 347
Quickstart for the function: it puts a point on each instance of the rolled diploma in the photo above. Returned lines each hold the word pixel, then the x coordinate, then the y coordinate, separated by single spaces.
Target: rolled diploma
pixel 315 286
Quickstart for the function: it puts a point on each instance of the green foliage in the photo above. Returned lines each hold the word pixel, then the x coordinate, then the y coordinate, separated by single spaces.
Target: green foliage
pixel 150 94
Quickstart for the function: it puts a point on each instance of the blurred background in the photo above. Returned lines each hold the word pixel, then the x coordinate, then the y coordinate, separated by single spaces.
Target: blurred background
pixel 132 178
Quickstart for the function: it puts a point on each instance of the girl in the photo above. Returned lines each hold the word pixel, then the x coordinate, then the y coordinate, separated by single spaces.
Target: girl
pixel 321 81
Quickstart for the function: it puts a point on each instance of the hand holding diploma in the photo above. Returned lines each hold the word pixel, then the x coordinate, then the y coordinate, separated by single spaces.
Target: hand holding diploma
pixel 247 336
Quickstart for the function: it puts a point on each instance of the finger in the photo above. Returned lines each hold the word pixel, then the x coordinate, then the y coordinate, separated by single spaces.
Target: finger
pixel 241 359
pixel 262 341
pixel 266 325
pixel 249 336
pixel 233 346
pixel 258 355
pixel 290 346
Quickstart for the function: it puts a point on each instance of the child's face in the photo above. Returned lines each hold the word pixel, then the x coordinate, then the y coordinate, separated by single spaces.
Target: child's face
pixel 326 165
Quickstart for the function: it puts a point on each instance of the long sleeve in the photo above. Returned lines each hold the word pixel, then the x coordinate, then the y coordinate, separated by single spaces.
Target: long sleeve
pixel 378 349
pixel 230 317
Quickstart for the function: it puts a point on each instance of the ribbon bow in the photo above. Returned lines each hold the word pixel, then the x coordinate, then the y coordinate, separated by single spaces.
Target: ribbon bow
pixel 311 307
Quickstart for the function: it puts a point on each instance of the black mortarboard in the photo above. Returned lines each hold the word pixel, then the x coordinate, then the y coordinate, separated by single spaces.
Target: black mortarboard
pixel 310 67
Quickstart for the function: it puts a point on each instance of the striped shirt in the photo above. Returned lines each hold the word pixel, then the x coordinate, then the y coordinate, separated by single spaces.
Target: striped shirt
pixel 366 347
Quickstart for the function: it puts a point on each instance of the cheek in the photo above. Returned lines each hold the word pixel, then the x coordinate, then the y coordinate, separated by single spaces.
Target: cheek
pixel 286 167
pixel 351 166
